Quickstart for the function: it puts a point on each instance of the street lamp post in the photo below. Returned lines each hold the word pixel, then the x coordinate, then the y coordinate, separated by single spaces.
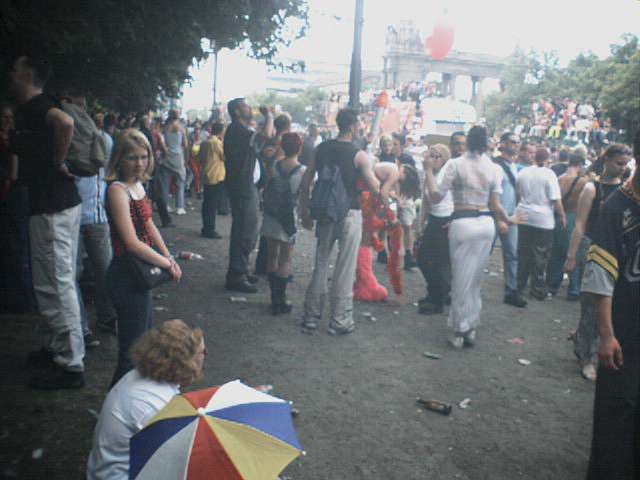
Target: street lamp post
pixel 355 77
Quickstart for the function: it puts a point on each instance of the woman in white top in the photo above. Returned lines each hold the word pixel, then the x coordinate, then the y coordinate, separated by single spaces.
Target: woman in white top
pixel 166 358
pixel 476 185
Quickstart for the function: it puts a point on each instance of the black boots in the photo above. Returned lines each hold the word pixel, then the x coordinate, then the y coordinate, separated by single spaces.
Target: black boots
pixel 278 285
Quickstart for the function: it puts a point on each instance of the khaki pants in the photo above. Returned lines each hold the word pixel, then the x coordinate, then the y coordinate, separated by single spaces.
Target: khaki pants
pixel 54 249
pixel 348 234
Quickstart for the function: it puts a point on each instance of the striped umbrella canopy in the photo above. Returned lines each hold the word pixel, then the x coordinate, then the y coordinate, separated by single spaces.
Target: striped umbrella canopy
pixel 230 432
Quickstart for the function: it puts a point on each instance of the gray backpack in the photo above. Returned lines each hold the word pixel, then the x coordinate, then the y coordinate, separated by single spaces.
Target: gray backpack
pixel 87 151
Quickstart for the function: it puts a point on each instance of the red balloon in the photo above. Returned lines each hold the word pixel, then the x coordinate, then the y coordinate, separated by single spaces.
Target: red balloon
pixel 440 41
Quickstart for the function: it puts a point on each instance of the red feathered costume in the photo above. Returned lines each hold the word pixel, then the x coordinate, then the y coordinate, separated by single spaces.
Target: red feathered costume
pixel 366 287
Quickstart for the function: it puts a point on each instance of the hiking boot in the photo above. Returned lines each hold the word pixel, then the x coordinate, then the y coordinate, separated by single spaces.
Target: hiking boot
pixel 56 378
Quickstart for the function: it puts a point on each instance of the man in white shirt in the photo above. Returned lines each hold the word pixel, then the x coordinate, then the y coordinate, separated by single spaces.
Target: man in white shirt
pixel 143 392
pixel 539 194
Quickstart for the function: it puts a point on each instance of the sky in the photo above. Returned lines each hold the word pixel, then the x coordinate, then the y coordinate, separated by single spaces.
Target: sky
pixel 489 26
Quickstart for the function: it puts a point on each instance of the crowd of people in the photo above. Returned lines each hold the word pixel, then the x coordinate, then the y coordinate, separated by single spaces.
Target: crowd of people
pixel 552 209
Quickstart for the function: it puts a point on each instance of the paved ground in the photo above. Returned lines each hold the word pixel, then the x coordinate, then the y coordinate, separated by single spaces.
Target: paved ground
pixel 356 394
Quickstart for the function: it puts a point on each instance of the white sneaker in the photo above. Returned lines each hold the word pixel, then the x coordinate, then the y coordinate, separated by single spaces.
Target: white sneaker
pixel 170 209
pixel 456 341
pixel 589 372
pixel 181 211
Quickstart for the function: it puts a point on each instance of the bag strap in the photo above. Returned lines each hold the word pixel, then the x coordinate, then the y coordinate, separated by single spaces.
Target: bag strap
pixel 566 196
pixel 507 170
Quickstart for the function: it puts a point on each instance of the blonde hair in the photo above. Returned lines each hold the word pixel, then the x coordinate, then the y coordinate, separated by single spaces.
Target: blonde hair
pixel 442 150
pixel 126 141
pixel 166 353
pixel 385 139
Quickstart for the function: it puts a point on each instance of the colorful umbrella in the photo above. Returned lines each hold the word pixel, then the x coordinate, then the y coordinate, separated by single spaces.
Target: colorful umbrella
pixel 231 432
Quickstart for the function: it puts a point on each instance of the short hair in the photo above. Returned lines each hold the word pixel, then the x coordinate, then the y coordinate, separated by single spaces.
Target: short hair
pixel 410 187
pixel 477 140
pixel 402 139
pixel 39 66
pixel 165 353
pixel 291 144
pixel 615 150
pixel 524 146
pixel 346 118
pixel 217 128
pixel 459 133
pixel 542 154
pixel 505 136
pixel 575 160
pixel 442 150
pixel 233 105
pixel 127 140
pixel 563 155
pixel 109 120
pixel 173 115
pixel 282 122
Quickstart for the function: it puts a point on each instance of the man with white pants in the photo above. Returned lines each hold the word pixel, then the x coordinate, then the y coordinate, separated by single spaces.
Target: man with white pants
pixel 42 138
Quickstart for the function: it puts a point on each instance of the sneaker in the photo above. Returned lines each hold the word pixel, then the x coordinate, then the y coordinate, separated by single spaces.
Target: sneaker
pixel 252 279
pixel 214 235
pixel 339 331
pixel 469 338
pixel 56 378
pixel 456 341
pixel 515 300
pixel 589 372
pixel 170 209
pixel 91 341
pixel 241 286
pixel 309 327
pixel 181 211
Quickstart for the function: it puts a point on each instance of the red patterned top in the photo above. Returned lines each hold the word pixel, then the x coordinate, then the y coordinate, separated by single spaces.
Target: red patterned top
pixel 140 211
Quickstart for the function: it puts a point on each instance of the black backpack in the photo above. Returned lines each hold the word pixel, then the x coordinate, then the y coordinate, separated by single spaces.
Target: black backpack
pixel 278 198
pixel 330 201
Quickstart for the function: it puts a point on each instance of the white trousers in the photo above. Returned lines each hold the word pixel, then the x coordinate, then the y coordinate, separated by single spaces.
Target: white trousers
pixel 470 242
pixel 54 249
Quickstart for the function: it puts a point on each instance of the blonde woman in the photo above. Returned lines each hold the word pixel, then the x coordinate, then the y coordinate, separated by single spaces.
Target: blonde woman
pixel 132 233
pixel 166 359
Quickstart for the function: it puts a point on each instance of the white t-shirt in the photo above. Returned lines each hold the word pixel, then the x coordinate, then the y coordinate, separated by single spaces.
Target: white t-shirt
pixel 445 207
pixel 538 187
pixel 129 406
pixel 471 179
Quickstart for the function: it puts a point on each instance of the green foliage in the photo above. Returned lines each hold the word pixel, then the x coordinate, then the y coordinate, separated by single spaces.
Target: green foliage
pixel 304 107
pixel 127 54
pixel 611 84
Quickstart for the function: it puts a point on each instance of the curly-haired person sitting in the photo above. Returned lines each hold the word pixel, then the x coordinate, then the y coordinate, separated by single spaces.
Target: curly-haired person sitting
pixel 166 358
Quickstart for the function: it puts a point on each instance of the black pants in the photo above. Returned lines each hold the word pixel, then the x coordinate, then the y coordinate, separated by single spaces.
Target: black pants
pixel 155 193
pixel 244 231
pixel 534 250
pixel 616 422
pixel 223 200
pixel 134 309
pixel 211 196
pixel 433 259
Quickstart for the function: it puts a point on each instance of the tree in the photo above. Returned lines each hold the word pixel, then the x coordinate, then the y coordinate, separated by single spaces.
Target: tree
pixel 611 84
pixel 304 107
pixel 127 54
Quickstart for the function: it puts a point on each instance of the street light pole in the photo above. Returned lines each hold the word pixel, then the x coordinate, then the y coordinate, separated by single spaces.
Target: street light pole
pixel 355 77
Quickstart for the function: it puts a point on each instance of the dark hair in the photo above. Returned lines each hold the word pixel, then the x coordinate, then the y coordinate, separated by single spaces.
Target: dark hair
pixel 563 155
pixel 542 154
pixel 109 120
pixel 282 122
pixel 477 141
pixel 410 187
pixel 615 150
pixel 40 66
pixel 233 105
pixel 459 133
pixel 575 160
pixel 173 115
pixel 346 118
pixel 505 136
pixel 291 143
pixel 402 139
pixel 524 145
pixel 217 128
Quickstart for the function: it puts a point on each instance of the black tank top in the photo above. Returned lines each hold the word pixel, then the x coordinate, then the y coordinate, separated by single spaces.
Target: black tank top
pixel 342 154
pixel 603 190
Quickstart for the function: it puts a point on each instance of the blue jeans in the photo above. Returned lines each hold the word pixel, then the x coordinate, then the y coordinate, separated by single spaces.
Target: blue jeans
pixel 165 183
pixel 555 268
pixel 134 309
pixel 509 242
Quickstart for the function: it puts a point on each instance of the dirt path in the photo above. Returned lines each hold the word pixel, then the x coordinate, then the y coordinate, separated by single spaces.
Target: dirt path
pixel 356 394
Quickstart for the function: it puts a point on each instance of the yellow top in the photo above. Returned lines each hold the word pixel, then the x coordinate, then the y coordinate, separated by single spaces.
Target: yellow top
pixel 211 157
